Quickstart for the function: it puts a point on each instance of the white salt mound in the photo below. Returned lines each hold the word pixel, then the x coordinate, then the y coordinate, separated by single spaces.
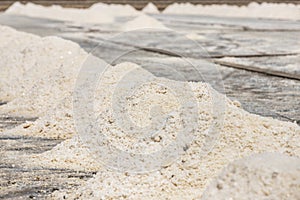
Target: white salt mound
pixel 150 8
pixel 46 71
pixel 253 10
pixel 264 176
pixel 144 22
pixel 242 135
pixel 114 9
pixel 98 13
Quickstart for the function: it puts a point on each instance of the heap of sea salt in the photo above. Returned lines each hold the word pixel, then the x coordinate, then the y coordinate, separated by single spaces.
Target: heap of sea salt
pixel 143 22
pixel 264 176
pixel 42 76
pixel 98 13
pixel 114 9
pixel 253 10
pixel 242 134
pixel 150 8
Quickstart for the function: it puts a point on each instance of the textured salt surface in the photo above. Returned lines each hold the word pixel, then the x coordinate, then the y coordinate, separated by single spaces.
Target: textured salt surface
pixel 263 176
pixel 49 93
pixel 13 47
pixel 253 10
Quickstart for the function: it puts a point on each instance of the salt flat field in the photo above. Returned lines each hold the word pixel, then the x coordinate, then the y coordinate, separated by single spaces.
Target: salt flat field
pixel 110 102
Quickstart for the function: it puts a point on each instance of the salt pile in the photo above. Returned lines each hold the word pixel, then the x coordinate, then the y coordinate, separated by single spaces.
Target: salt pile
pixel 264 176
pixel 243 134
pixel 98 13
pixel 253 10
pixel 143 22
pixel 36 83
pixel 150 8
pixel 114 9
pixel 50 96
pixel 101 13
